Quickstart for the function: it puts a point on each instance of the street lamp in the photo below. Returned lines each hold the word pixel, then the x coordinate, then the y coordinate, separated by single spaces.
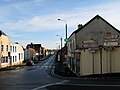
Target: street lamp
pixel 65 27
pixel 57 46
pixel 60 40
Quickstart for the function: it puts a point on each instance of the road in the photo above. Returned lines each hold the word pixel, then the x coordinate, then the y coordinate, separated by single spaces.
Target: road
pixel 29 78
pixel 39 77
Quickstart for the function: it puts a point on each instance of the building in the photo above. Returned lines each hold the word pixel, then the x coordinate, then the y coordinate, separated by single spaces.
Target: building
pixel 4 50
pixel 17 54
pixel 37 49
pixel 94 48
pixel 29 54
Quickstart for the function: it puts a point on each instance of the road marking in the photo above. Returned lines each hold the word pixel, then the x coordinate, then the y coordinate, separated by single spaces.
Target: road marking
pixel 46 66
pixel 37 88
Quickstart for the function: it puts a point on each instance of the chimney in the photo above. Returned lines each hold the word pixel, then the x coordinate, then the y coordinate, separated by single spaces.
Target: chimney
pixel 79 26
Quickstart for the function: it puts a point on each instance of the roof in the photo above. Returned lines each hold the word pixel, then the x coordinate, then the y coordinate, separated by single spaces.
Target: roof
pixel 97 16
pixel 31 45
pixel 2 33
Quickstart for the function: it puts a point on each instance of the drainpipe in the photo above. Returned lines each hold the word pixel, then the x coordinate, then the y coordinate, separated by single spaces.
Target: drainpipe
pixel 100 47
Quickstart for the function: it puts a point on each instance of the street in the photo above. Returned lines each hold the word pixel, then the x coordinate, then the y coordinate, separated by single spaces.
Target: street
pixel 28 78
pixel 39 77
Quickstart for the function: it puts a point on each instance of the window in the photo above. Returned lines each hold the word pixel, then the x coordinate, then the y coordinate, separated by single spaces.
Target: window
pixel 2 48
pixel 19 56
pixel 6 47
pixel 15 58
pixel 10 48
pixel 13 48
pixel 6 59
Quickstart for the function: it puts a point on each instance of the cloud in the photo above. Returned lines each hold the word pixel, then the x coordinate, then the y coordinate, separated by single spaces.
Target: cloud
pixel 49 22
pixel 73 17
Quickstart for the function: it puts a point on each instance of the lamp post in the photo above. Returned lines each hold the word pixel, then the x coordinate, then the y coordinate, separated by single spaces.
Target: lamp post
pixel 60 40
pixel 57 46
pixel 65 27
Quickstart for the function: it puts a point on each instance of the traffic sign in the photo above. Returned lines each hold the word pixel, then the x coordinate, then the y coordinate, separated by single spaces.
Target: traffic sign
pixel 66 40
pixel 111 43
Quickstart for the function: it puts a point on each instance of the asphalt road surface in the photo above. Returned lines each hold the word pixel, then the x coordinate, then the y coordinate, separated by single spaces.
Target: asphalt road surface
pixel 29 78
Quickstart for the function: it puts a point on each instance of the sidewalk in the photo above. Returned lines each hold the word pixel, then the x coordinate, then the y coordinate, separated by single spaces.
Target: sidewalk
pixel 63 71
pixel 66 72
pixel 15 67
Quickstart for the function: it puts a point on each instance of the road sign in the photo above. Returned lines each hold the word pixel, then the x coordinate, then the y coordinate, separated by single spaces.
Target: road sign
pixel 89 42
pixel 66 40
pixel 111 43
pixel 90 45
pixel 111 40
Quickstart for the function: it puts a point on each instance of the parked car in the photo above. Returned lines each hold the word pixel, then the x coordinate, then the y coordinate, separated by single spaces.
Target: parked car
pixel 29 62
pixel 35 60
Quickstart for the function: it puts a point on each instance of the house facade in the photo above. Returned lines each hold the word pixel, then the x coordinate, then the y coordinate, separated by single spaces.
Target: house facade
pixel 17 54
pixel 92 48
pixel 4 50
pixel 37 49
pixel 29 54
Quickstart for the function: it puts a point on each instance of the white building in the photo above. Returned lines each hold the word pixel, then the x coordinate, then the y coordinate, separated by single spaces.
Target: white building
pixel 17 54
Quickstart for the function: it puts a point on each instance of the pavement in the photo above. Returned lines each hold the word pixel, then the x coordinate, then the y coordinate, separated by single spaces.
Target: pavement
pixel 65 72
pixel 15 67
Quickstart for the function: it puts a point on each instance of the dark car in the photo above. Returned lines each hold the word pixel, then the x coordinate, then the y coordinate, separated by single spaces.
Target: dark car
pixel 35 60
pixel 29 62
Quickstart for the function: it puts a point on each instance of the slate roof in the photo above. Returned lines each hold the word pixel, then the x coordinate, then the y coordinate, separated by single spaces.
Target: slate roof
pixel 98 17
pixel 2 33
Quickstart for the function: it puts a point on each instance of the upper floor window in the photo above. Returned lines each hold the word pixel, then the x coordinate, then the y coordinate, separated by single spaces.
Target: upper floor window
pixel 6 47
pixel 11 48
pixel 15 49
pixel 2 48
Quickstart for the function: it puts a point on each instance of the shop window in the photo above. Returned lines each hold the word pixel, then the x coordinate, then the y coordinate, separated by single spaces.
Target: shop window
pixel 4 59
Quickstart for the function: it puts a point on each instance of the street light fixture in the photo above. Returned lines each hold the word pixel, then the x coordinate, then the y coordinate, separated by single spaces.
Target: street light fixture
pixel 65 27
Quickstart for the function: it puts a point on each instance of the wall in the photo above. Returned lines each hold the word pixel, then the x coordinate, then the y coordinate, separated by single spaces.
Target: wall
pixel 17 55
pixel 5 41
pixel 88 68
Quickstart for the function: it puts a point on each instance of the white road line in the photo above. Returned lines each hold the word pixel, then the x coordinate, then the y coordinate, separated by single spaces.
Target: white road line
pixel 49 66
pixel 37 88
pixel 46 66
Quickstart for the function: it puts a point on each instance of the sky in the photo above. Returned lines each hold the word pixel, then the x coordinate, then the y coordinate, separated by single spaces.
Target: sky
pixel 36 21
